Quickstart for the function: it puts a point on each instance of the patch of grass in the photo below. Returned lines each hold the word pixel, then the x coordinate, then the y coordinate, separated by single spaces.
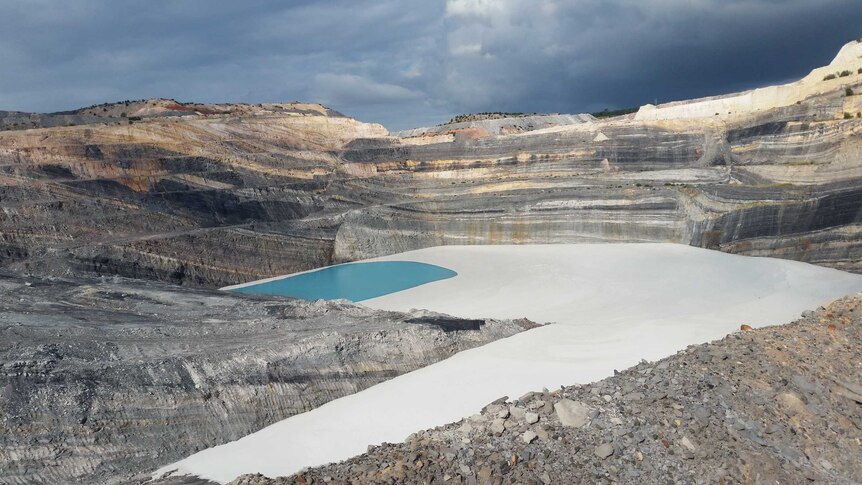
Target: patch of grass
pixel 606 113
pixel 844 73
pixel 848 116
pixel 848 92
pixel 486 116
pixel 830 77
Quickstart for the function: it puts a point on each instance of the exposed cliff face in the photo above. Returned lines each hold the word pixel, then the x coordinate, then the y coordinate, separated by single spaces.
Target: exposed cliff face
pixel 787 184
pixel 103 380
pixel 210 195
pixel 191 199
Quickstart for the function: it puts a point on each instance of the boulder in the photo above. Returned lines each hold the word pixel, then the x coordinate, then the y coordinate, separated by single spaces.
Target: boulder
pixel 572 413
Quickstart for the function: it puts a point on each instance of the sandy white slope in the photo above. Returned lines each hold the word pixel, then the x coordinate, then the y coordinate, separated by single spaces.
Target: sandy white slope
pixel 613 305
pixel 720 108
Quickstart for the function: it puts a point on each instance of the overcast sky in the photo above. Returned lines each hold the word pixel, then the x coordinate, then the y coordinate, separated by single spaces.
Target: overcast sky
pixel 410 62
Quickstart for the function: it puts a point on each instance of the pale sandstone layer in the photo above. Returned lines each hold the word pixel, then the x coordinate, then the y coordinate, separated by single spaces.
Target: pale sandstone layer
pixel 842 72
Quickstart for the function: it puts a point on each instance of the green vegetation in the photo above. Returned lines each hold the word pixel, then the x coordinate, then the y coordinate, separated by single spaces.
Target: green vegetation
pixel 123 114
pixel 848 92
pixel 848 116
pixel 493 115
pixel 617 112
pixel 836 75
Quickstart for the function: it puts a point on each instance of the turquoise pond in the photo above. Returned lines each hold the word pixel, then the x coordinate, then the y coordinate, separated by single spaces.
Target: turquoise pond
pixel 354 281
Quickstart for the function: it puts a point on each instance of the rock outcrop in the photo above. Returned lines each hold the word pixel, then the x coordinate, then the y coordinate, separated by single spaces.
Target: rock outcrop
pixel 104 380
pixel 761 406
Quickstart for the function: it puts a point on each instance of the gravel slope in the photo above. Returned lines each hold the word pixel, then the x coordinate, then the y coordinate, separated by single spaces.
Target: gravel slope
pixel 775 405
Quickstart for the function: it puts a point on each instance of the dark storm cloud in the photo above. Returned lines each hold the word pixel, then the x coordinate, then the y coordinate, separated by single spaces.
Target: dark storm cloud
pixel 411 62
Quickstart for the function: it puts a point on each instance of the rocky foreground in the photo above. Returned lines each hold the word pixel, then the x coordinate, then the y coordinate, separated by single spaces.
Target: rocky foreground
pixel 102 380
pixel 777 405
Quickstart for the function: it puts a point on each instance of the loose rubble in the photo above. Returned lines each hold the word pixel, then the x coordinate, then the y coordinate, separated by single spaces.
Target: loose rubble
pixel 776 405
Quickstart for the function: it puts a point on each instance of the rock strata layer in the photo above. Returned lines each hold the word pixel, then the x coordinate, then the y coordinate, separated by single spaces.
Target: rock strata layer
pixel 776 405
pixel 104 380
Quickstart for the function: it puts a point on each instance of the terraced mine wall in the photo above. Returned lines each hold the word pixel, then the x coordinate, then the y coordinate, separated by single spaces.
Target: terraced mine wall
pixel 788 188
pixel 105 381
pixel 233 193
